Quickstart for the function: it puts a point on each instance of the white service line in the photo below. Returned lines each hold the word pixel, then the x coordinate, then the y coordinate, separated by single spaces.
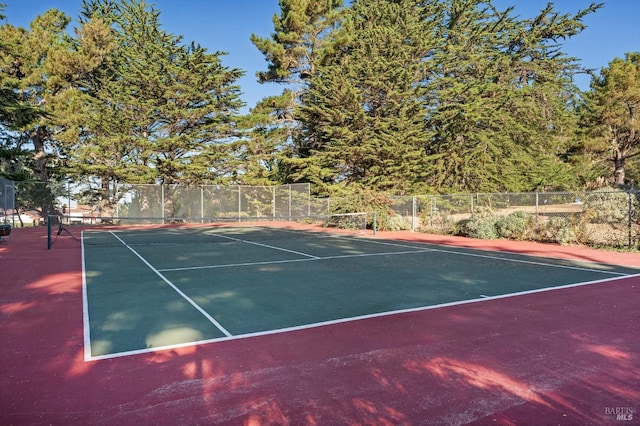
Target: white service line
pixel 265 245
pixel 180 292
pixel 275 262
pixel 505 259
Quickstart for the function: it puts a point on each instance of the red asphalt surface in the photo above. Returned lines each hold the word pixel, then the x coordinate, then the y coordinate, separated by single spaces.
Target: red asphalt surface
pixel 564 357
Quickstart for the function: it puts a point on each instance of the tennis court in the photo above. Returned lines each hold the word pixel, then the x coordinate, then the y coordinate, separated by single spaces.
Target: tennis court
pixel 167 287
pixel 251 324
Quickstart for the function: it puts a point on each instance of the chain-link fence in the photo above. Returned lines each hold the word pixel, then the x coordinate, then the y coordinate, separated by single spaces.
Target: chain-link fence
pixel 78 204
pixel 7 200
pixel 209 202
pixel 596 218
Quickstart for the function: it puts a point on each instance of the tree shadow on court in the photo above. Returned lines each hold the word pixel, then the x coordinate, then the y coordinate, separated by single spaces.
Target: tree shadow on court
pixel 564 358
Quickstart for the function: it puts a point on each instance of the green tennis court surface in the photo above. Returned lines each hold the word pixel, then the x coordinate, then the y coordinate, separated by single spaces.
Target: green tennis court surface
pixel 152 289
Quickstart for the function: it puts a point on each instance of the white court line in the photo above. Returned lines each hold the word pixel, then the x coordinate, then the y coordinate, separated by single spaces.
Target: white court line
pixel 265 245
pixel 85 306
pixel 180 292
pixel 506 259
pixel 275 262
pixel 417 249
pixel 357 318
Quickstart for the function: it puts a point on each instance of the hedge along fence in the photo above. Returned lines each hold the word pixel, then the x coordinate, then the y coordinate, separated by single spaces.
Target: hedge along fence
pixel 600 218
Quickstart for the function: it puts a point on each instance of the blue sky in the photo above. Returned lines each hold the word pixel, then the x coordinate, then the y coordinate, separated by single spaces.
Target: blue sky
pixel 226 25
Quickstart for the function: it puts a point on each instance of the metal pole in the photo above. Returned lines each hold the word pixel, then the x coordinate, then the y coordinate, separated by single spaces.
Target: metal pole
pixel 375 222
pixel 49 232
pixel 432 209
pixel 630 214
pixel 273 202
pixel 68 203
pixel 289 202
pixel 117 191
pixel 414 218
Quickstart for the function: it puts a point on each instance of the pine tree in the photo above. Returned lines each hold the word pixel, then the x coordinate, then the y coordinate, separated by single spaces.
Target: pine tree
pixel 364 112
pixel 156 107
pixel 502 116
pixel 611 115
pixel 418 95
pixel 303 36
pixel 37 71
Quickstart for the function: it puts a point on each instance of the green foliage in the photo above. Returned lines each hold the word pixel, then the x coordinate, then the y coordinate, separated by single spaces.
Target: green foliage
pixel 514 226
pixel 301 31
pixel 363 112
pixel 609 206
pixel 398 223
pixel 416 96
pixel 482 225
pixel 501 115
pixel 365 200
pixel 485 224
pixel 610 117
pixel 559 230
pixel 398 96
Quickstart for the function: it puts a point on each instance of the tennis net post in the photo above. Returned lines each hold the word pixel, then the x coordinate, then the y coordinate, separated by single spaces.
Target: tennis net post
pixel 49 239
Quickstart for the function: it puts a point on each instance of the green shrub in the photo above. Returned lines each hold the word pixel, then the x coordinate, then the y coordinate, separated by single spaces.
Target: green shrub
pixel 439 223
pixel 514 226
pixel 558 230
pixel 482 225
pixel 609 206
pixel 398 223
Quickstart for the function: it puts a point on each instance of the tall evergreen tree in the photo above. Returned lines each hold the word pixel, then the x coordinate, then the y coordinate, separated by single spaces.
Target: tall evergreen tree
pixel 364 113
pixel 459 96
pixel 155 106
pixel 503 118
pixel 303 36
pixel 38 68
pixel 611 115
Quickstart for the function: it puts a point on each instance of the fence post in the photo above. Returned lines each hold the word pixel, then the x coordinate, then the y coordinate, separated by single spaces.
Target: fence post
pixel 414 213
pixel 202 204
pixel 471 195
pixel 273 202
pixel 433 207
pixel 117 189
pixel 375 222
pixel 290 199
pixel 630 221
pixel 49 232
pixel 162 201
pixel 239 203
pixel 537 200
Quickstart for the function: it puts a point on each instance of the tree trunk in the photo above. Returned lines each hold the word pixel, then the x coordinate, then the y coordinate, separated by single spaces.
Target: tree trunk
pixel 618 172
pixel 44 197
pixel 38 138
